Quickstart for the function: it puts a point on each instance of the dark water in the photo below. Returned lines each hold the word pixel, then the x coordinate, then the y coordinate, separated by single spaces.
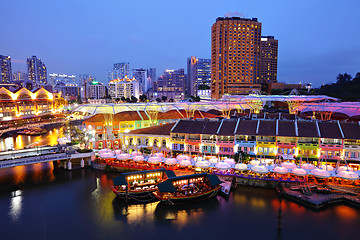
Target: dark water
pixel 38 202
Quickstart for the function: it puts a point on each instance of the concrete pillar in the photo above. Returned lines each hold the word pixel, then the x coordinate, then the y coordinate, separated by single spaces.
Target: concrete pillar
pixel 69 165
pixel 82 163
pixel 89 162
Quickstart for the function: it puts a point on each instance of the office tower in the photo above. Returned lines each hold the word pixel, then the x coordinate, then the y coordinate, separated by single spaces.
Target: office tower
pixel 5 69
pixel 235 56
pixel 125 87
pixel 141 76
pixel 268 60
pixel 84 80
pixel 198 75
pixel 37 72
pixel 151 75
pixel 170 84
pixel 94 90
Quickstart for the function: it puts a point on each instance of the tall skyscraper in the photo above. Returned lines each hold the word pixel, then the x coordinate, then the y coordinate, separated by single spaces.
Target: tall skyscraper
pixel 235 56
pixel 37 72
pixel 151 75
pixel 126 87
pixel 19 76
pixel 62 79
pixel 5 69
pixel 268 60
pixel 141 76
pixel 171 84
pixel 198 75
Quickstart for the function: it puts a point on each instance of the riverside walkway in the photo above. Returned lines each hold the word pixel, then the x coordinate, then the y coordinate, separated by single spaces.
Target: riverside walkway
pixel 39 158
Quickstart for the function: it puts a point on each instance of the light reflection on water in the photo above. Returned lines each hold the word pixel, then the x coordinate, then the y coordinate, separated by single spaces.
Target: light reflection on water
pixel 83 198
pixel 21 141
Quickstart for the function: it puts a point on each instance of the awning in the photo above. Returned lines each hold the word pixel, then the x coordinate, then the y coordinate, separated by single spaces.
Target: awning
pixel 166 186
pixel 120 180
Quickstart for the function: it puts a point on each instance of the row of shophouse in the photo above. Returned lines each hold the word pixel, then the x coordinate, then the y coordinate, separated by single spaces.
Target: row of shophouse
pixel 267 137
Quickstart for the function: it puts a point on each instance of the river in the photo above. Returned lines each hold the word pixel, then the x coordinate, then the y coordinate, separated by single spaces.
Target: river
pixel 38 202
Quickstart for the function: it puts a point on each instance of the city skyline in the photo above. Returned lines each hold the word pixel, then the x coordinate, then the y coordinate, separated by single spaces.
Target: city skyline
pixel 313 47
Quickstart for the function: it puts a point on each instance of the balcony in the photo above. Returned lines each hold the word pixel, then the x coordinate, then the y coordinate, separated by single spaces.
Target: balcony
pixel 351 147
pixel 322 145
pixel 244 143
pixel 193 140
pixel 286 144
pixel 230 142
pixel 308 144
pixel 212 141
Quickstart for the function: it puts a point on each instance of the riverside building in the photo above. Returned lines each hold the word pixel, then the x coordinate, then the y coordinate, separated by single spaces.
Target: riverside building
pixel 235 56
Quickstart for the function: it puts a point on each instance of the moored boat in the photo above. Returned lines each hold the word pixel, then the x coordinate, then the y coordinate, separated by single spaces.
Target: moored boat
pixel 139 186
pixel 188 188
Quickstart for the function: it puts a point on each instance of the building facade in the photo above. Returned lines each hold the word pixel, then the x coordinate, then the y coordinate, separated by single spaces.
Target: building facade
pixel 140 74
pixel 126 87
pixel 198 75
pixel 170 84
pixel 235 56
pixel 37 71
pixel 93 90
pixel 5 69
pixel 151 74
pixel 268 60
pixel 304 140
pixel 62 79
pixel 25 103
pixel 120 71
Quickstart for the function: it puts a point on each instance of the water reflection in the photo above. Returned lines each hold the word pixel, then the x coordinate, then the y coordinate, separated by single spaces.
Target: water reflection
pixel 15 205
pixel 21 141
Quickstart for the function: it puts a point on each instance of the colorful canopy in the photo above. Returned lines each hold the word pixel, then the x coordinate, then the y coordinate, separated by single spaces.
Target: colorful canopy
pixel 123 156
pixel 182 157
pixel 280 170
pixel 202 164
pixel 154 160
pixel 254 162
pixel 229 161
pixel 171 161
pixel 348 175
pixel 118 152
pixel 259 169
pixel 198 158
pixel 106 155
pixel 320 173
pixel 138 158
pixel 241 167
pixel 214 160
pixel 184 163
pixel 299 171
pixel 223 166
pixel 105 150
pixel 345 168
pixel 308 166
pixel 288 165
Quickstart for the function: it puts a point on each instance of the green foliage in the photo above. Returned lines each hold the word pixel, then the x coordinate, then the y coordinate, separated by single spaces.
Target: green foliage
pixel 143 98
pixel 145 151
pixel 345 88
pixel 158 99
pixel 133 99
pixel 164 98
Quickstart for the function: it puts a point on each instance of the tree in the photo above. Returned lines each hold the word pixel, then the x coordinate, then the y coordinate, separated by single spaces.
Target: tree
pixel 78 99
pixel 343 78
pixel 133 99
pixel 123 99
pixel 171 100
pixel 164 98
pixel 128 100
pixel 143 98
pixel 357 75
pixel 117 99
pixel 158 99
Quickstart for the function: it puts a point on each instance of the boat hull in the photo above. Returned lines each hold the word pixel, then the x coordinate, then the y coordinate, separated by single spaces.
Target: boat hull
pixel 139 196
pixel 190 198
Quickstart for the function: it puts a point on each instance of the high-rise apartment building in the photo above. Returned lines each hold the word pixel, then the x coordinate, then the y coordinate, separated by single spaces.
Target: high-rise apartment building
pixel 19 76
pixel 5 69
pixel 37 72
pixel 235 56
pixel 268 60
pixel 141 75
pixel 125 87
pixel 171 84
pixel 198 75
pixel 120 71
pixel 63 79
pixel 94 90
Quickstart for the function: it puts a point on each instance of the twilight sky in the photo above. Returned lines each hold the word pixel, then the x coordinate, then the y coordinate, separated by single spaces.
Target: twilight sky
pixel 317 38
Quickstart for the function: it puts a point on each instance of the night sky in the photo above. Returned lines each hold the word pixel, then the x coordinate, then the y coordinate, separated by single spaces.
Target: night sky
pixel 317 39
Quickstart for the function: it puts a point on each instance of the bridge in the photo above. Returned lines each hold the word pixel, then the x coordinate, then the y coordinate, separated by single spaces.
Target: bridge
pixel 53 156
pixel 11 154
